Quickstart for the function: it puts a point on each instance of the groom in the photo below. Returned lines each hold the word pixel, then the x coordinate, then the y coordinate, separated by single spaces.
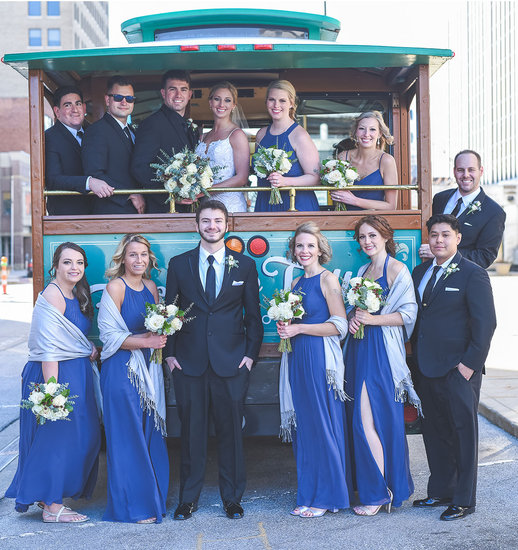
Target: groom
pixel 455 323
pixel 210 358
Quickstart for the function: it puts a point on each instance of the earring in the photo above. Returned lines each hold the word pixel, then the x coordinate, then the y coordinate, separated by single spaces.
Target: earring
pixel 378 142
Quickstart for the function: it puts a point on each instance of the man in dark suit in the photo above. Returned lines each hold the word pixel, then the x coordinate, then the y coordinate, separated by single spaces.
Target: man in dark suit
pixel 455 324
pixel 165 130
pixel 63 166
pixel 481 219
pixel 210 358
pixel 107 149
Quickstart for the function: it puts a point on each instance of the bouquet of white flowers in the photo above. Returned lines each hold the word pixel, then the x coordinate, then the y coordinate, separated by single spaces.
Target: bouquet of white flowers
pixel 184 175
pixel 365 294
pixel 167 320
pixel 339 174
pixel 285 306
pixel 50 401
pixel 268 160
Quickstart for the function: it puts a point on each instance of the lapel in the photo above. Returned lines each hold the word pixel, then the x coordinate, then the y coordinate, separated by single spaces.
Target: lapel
pixel 194 264
pixel 67 134
pixel 425 267
pixel 119 131
pixel 480 197
pixel 177 122
pixel 447 197
pixel 441 283
pixel 226 277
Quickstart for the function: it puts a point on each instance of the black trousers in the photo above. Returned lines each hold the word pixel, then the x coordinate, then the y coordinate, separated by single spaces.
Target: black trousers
pixel 196 398
pixel 450 433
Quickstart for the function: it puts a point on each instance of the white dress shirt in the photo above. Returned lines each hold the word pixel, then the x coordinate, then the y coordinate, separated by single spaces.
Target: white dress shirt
pixel 219 266
pixel 428 274
pixel 466 200
pixel 124 126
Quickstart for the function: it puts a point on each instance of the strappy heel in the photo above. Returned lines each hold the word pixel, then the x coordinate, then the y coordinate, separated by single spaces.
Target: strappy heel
pixel 388 506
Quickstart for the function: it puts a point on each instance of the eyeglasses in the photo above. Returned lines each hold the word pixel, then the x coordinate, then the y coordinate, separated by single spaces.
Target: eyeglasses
pixel 118 98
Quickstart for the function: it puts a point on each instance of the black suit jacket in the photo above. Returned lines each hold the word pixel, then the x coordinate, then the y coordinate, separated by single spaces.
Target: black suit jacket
pixel 459 321
pixel 64 172
pixel 481 230
pixel 221 334
pixel 106 154
pixel 165 131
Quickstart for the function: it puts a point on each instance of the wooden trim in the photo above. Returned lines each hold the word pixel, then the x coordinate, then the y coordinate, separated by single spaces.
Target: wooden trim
pixel 396 132
pixel 36 110
pixel 269 350
pixel 424 154
pixel 181 223
pixel 406 173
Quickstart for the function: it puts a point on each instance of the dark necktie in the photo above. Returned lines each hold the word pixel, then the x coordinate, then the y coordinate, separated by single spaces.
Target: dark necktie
pixel 455 211
pixel 80 135
pixel 210 281
pixel 429 286
pixel 128 134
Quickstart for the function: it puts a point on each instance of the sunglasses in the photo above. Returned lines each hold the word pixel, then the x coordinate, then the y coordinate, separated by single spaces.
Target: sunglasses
pixel 118 98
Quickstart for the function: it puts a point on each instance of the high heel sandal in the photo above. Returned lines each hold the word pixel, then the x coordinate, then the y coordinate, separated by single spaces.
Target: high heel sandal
pixel 364 511
pixel 388 506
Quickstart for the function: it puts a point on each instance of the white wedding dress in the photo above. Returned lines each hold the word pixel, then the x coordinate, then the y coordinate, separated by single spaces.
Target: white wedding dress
pixel 221 154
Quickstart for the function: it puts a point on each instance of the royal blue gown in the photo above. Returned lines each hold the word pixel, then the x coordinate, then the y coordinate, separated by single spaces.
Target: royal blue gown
pixel 323 471
pixel 374 178
pixel 366 362
pixel 59 459
pixel 305 201
pixel 136 452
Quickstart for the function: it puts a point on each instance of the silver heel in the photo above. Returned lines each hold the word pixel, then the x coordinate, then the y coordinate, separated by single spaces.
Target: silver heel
pixel 388 506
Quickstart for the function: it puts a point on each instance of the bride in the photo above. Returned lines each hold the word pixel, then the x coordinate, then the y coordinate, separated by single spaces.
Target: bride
pixel 226 147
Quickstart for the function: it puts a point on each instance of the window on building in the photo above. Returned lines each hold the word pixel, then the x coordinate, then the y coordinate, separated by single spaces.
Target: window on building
pixel 54 37
pixel 6 203
pixel 53 8
pixel 34 8
pixel 34 37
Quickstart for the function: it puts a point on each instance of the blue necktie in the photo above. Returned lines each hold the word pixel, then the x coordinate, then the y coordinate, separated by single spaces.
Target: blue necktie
pixel 210 281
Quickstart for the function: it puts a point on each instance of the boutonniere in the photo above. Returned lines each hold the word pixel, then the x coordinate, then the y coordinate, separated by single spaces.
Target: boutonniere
pixel 452 268
pixel 474 206
pixel 191 124
pixel 231 262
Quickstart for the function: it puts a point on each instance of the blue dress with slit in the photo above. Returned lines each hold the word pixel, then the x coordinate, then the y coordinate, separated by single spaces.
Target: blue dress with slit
pixel 366 362
pixel 323 470
pixel 59 459
pixel 136 452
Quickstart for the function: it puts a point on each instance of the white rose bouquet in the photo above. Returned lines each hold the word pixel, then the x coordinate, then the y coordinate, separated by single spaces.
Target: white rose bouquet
pixel 50 401
pixel 268 160
pixel 285 306
pixel 167 320
pixel 184 175
pixel 339 174
pixel 365 294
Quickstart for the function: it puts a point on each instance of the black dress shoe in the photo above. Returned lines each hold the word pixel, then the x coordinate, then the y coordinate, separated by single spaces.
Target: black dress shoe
pixel 233 510
pixel 456 512
pixel 432 502
pixel 185 510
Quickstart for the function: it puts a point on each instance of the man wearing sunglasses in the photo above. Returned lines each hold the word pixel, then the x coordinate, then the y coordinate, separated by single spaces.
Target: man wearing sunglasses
pixel 165 130
pixel 108 147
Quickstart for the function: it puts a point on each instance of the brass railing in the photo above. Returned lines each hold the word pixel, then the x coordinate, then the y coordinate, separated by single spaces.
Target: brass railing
pixel 292 191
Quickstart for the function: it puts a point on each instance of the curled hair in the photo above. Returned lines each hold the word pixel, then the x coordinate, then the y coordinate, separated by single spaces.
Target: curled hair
pixel 285 86
pixel 311 228
pixel 117 268
pixel 82 289
pixel 452 221
pixel 382 226
pixel 385 137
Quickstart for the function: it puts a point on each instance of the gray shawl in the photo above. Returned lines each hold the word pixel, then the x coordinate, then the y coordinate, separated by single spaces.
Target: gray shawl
pixel 334 375
pixel 54 338
pixel 148 382
pixel 400 299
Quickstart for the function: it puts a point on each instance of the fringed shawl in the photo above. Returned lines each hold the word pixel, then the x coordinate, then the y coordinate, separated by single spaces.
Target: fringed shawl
pixel 54 338
pixel 148 382
pixel 335 371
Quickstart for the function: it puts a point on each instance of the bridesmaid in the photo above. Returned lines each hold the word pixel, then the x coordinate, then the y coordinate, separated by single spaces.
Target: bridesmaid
pixel 377 375
pixel 313 398
pixel 59 459
pixel 371 135
pixel 285 133
pixel 134 407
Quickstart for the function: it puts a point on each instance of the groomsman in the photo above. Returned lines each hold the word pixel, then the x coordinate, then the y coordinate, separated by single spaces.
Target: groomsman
pixel 107 149
pixel 210 358
pixel 455 324
pixel 481 219
pixel 165 130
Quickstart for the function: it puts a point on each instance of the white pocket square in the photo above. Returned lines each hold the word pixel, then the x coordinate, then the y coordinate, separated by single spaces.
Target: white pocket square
pixel 450 289
pixel 237 283
pixel 466 223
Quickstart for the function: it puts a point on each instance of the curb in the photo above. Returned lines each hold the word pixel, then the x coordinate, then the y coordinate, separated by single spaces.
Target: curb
pixel 498 419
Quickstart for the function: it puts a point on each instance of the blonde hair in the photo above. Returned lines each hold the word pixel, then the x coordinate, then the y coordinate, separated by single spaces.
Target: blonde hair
pixel 385 138
pixel 117 268
pixel 224 85
pixel 285 86
pixel 311 228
